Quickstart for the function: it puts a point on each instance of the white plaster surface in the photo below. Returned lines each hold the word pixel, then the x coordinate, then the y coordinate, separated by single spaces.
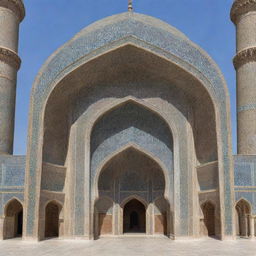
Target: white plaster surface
pixel 130 246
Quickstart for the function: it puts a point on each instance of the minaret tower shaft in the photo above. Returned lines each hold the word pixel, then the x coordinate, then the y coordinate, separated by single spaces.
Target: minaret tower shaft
pixel 243 15
pixel 12 13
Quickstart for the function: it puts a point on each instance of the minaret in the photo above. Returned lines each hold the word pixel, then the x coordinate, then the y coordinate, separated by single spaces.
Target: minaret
pixel 12 13
pixel 243 15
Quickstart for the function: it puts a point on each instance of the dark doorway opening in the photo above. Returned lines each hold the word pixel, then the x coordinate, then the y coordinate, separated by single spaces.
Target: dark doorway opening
pixel 209 217
pixel 134 219
pixel 13 220
pixel 19 223
pixel 52 212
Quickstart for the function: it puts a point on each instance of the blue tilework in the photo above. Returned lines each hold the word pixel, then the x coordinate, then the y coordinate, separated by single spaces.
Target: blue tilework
pixel 106 33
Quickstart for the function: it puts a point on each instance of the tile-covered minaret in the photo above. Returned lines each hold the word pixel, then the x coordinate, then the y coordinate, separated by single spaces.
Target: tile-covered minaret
pixel 12 13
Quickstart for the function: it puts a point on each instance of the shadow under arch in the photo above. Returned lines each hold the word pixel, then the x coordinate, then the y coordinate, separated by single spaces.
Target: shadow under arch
pixel 132 197
pixel 134 212
pixel 141 150
pixel 208 208
pixel 163 217
pixel 243 200
pixel 103 216
pixel 53 214
pixel 243 210
pixel 136 101
pixel 13 219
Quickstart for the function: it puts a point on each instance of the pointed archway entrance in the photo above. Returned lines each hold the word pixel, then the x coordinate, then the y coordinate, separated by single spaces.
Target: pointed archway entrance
pixel 132 181
pixel 13 219
pixel 134 219
pixel 52 219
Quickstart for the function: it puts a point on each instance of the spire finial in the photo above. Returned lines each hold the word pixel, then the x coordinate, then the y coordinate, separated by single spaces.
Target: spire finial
pixel 130 8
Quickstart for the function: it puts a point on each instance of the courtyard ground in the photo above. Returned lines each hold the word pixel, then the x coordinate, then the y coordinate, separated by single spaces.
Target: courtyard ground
pixel 128 246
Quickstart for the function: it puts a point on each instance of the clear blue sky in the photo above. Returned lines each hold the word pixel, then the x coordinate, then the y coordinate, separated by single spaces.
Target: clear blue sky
pixel 50 23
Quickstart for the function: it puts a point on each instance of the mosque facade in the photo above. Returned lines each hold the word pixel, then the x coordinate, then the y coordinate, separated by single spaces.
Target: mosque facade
pixel 129 132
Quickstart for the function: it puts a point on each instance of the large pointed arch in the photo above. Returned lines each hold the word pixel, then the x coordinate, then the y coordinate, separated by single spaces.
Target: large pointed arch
pixel 157 38
pixel 142 150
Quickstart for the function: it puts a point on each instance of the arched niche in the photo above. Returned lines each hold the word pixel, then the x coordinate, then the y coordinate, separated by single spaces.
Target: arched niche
pixel 13 222
pixel 131 122
pixel 129 175
pixel 209 219
pixel 129 172
pixel 53 219
pixel 243 212
pixel 134 217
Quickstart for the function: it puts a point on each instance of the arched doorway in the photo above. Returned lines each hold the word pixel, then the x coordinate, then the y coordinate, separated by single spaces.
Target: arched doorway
pixel 209 218
pixel 13 219
pixel 134 218
pixel 52 213
pixel 243 211
pixel 130 179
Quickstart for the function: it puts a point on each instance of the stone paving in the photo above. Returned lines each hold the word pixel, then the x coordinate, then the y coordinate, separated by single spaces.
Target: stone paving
pixel 128 246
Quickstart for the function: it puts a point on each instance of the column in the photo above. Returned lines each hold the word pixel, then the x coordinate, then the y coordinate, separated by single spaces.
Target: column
pixel 252 227
pixel 1 228
pixel 243 14
pixel 116 209
pixel 12 13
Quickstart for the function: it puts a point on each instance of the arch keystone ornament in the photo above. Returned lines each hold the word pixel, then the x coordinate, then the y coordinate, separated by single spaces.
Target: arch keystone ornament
pixel 105 47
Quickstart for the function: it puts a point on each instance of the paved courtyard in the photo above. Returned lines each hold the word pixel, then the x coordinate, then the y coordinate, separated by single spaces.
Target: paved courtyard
pixel 130 246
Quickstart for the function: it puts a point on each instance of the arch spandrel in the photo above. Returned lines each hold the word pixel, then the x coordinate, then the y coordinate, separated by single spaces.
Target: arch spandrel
pixel 146 33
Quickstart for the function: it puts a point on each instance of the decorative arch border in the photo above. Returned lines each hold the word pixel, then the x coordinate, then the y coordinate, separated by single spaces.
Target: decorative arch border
pixel 246 201
pixel 84 126
pixel 58 203
pixel 123 204
pixel 116 103
pixel 164 44
pixel 60 208
pixel 54 201
pixel 132 197
pixel 10 201
pixel 122 149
